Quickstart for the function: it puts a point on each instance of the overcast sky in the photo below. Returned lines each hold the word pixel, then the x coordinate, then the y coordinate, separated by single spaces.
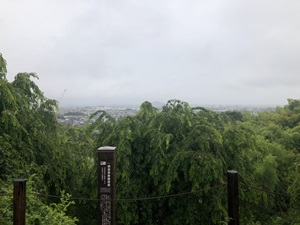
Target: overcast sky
pixel 129 51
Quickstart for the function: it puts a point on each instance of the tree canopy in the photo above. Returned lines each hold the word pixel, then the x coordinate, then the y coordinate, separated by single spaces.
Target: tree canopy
pixel 171 162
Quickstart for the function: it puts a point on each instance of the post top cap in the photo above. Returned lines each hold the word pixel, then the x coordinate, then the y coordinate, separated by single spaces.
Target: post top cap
pixel 231 171
pixel 20 180
pixel 106 148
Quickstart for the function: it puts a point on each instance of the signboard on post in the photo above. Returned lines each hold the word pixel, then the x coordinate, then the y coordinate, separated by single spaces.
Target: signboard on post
pixel 106 184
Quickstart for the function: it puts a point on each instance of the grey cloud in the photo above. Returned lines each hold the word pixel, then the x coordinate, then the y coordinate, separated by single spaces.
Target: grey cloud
pixel 195 50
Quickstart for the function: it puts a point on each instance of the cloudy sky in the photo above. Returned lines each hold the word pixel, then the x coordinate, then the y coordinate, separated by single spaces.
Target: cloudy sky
pixel 90 52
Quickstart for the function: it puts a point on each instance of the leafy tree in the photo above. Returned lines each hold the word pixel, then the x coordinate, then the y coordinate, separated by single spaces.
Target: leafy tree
pixel 164 153
pixel 37 212
pixel 31 140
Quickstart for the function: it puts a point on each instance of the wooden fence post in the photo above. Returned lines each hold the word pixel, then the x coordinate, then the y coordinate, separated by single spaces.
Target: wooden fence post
pixel 233 197
pixel 106 185
pixel 19 201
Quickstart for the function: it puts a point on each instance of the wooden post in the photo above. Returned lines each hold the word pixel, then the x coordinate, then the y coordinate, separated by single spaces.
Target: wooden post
pixel 233 197
pixel 106 185
pixel 19 201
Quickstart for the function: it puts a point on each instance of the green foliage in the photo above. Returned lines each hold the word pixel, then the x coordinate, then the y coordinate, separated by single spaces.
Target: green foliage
pixel 32 142
pixel 181 149
pixel 3 69
pixel 37 212
pixel 178 149
pixel 163 153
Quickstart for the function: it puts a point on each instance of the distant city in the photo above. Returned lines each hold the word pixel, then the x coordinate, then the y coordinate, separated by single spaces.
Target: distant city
pixel 78 116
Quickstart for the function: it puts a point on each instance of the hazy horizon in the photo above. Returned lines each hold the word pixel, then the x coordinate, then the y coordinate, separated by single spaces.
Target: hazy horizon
pixel 154 103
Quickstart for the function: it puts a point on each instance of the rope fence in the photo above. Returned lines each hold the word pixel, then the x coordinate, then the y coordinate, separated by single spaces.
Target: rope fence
pixel 270 192
pixel 248 184
pixel 159 197
pixel 232 185
pixel 132 199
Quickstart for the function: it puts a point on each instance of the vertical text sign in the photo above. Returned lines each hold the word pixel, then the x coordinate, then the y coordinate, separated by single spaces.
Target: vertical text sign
pixel 106 184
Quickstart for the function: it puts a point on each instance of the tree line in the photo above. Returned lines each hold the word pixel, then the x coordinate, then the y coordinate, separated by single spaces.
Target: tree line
pixel 160 152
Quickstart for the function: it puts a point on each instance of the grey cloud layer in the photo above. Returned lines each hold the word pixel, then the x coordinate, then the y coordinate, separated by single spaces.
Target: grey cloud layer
pixel 157 50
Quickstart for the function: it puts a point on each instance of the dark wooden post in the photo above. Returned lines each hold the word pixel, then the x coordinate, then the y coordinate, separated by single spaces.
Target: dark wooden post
pixel 106 185
pixel 19 201
pixel 233 197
